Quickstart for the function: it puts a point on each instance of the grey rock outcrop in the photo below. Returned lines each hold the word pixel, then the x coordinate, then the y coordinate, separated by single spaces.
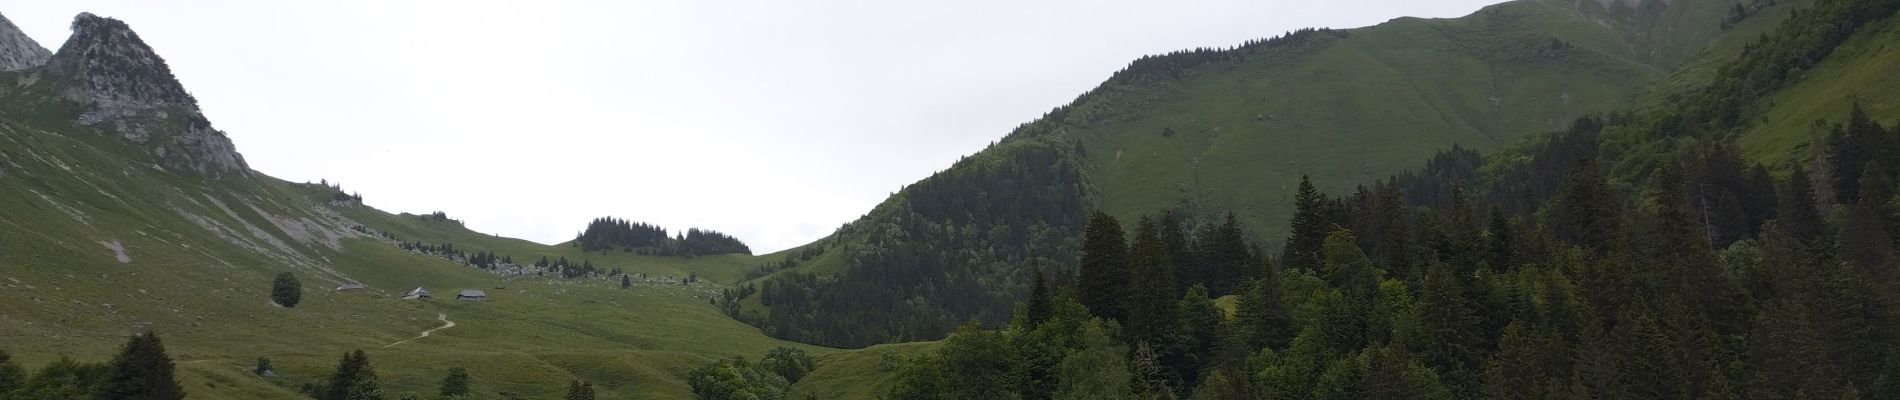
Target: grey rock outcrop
pixel 124 87
pixel 17 51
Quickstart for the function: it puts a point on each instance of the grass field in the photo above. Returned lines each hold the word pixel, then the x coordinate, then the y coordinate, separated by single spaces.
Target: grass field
pixel 96 243
pixel 1862 68
pixel 199 255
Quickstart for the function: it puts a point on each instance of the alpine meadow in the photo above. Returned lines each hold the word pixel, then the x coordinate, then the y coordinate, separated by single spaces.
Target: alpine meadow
pixel 1541 199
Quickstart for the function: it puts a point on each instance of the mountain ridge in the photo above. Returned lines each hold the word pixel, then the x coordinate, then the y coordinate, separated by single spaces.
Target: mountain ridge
pixel 1234 130
pixel 17 50
pixel 123 87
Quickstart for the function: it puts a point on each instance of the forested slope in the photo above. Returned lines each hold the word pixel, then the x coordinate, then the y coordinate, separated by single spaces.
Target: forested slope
pixel 1640 254
pixel 1206 132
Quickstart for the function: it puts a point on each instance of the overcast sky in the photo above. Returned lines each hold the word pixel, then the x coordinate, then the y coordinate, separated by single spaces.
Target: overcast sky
pixel 775 121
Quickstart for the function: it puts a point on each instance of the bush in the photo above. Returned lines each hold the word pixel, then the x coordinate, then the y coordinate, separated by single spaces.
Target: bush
pixel 286 291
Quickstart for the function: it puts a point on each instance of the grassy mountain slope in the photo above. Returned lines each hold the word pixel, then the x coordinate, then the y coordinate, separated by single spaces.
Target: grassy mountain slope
pixel 100 239
pixel 1862 68
pixel 1202 131
pixel 200 255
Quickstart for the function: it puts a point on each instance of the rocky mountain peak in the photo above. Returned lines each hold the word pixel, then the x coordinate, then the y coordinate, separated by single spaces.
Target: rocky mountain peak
pixel 125 87
pixel 17 51
pixel 105 58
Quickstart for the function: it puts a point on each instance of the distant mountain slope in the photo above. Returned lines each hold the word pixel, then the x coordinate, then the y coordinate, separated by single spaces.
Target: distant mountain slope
pixel 1235 129
pixel 1862 68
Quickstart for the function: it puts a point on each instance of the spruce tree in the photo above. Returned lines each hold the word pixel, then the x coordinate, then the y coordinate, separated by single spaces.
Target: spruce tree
pixel 625 282
pixel 1878 191
pixel 1103 275
pixel 1041 304
pixel 578 390
pixel 354 379
pixel 455 384
pixel 1586 211
pixel 1262 317
pixel 1190 270
pixel 1519 369
pixel 1651 370
pixel 1303 246
pixel 1501 249
pixel 1229 261
pixel 1447 323
pixel 141 371
pixel 1201 325
pixel 285 290
pixel 1151 301
pixel 1797 213
pixel 11 375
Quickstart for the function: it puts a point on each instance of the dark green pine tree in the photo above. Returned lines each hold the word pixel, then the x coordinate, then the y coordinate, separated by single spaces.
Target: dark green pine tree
pixel 1851 149
pixel 1787 348
pixel 1796 212
pixel 578 390
pixel 1864 241
pixel 1501 246
pixel 1201 327
pixel 1512 372
pixel 1042 303
pixel 1680 259
pixel 1461 242
pixel 1650 367
pixel 1877 197
pixel 1227 257
pixel 11 375
pixel 1303 246
pixel 1102 278
pixel 1448 333
pixel 625 282
pixel 354 379
pixel 1174 238
pixel 1151 301
pixel 455 384
pixel 141 371
pixel 285 290
pixel 1262 317
pixel 1586 212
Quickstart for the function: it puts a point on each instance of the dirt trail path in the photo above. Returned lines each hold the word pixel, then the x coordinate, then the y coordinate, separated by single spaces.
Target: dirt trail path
pixel 446 324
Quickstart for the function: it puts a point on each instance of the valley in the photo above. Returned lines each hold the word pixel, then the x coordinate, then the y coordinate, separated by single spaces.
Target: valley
pixel 1289 221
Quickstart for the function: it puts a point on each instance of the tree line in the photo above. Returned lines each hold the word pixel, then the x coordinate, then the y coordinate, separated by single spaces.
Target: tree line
pixel 941 253
pixel 141 370
pixel 737 379
pixel 605 234
pixel 1595 294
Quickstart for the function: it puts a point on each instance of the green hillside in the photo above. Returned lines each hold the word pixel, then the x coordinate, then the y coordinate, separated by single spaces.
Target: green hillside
pixel 1207 131
pixel 200 255
pixel 123 211
pixel 104 235
pixel 1862 68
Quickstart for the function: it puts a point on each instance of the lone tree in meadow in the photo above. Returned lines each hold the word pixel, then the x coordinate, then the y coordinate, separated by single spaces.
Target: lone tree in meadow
pixel 456 384
pixel 625 282
pixel 141 371
pixel 353 380
pixel 11 375
pixel 286 291
pixel 578 390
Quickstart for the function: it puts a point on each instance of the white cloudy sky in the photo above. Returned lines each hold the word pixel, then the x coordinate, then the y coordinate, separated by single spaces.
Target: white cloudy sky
pixel 775 121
